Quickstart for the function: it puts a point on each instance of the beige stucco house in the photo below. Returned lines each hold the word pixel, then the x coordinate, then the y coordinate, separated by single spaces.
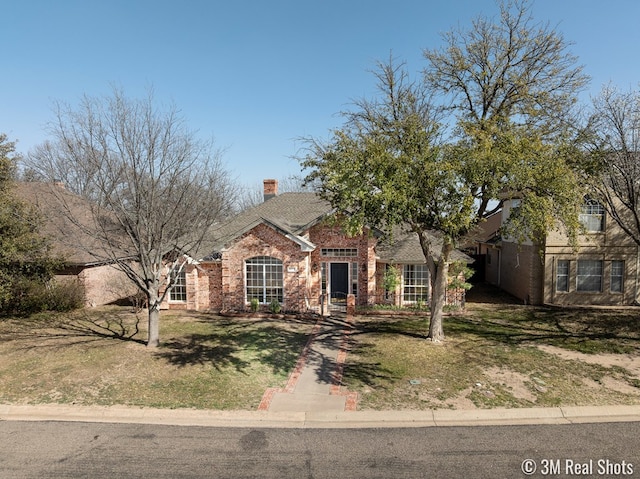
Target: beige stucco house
pixel 604 270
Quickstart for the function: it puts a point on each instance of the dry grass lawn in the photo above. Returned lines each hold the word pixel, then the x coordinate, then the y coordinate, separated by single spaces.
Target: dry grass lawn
pixel 498 356
pixel 99 357
pixel 504 355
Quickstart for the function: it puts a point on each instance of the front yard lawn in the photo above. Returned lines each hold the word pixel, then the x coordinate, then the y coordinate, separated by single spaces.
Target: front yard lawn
pixel 97 357
pixel 498 356
pixel 494 356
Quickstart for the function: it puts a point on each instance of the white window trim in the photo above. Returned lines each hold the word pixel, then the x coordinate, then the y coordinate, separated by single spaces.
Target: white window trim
pixel 588 213
pixel 404 283
pixel 278 262
pixel 578 276
pixel 567 275
pixel 621 276
pixel 183 285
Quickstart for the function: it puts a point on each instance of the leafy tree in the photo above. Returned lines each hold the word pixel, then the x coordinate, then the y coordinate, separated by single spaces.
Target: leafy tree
pixel 24 254
pixel 155 186
pixel 615 158
pixel 489 119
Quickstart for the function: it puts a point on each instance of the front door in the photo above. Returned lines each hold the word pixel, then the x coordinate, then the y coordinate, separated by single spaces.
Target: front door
pixel 339 282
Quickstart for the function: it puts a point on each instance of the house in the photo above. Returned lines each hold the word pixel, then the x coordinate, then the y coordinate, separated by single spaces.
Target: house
pixel 604 270
pixel 100 281
pixel 481 246
pixel 291 250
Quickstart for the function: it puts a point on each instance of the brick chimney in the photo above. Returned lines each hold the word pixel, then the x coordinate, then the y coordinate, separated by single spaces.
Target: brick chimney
pixel 270 189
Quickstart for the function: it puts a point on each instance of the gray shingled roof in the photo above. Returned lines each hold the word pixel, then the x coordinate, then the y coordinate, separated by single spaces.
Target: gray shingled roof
pixel 67 239
pixel 291 213
pixel 404 247
pixel 294 214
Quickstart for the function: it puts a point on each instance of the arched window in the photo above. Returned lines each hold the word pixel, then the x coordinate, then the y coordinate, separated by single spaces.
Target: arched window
pixel 263 279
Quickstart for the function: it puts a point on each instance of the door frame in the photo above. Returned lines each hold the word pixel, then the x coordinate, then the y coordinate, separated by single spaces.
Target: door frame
pixel 347 281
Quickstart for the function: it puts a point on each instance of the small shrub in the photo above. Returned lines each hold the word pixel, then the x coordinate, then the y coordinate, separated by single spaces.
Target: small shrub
pixel 31 296
pixel 65 296
pixel 459 273
pixel 275 306
pixel 391 278
pixel 255 304
pixel 421 305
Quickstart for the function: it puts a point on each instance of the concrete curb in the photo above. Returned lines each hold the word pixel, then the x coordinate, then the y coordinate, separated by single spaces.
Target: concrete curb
pixel 319 419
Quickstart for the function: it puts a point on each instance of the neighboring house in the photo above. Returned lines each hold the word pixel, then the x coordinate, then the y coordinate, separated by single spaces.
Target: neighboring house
pixel 290 249
pixel 603 271
pixel 481 246
pixel 100 281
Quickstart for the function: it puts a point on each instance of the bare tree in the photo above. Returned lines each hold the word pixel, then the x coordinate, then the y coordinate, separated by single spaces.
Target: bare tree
pixel 51 160
pixel 615 124
pixel 155 188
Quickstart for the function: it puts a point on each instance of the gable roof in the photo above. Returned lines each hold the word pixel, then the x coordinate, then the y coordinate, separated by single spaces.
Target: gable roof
pixel 292 214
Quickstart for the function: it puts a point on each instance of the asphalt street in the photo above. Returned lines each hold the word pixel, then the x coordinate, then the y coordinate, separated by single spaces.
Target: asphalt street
pixel 33 449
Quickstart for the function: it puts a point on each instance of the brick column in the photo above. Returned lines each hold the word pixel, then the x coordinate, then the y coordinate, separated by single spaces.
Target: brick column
pixel 351 304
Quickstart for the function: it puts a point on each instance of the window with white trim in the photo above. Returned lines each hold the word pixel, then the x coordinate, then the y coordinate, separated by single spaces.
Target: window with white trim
pixel 589 276
pixel 323 277
pixel 178 290
pixel 617 276
pixel 264 279
pixel 415 283
pixel 562 275
pixel 339 252
pixel 592 216
pixel 354 279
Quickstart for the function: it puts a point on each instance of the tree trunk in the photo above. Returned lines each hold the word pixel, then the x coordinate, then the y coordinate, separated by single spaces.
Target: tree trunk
pixel 436 332
pixel 439 294
pixel 153 339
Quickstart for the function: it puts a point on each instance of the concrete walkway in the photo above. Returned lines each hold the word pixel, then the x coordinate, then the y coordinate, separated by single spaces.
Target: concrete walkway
pixel 315 397
pixel 316 382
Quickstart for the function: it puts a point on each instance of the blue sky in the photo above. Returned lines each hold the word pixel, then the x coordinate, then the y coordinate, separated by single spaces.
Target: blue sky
pixel 258 74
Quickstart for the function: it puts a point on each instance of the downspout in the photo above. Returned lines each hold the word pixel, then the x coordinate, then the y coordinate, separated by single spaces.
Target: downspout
pixel 499 267
pixel 554 280
pixel 637 296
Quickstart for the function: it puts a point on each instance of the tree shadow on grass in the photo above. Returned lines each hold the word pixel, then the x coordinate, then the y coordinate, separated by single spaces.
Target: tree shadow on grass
pixel 238 344
pixel 124 327
pixel 585 329
pixel 361 371
pixel 48 330
pixel 411 326
pixel 338 333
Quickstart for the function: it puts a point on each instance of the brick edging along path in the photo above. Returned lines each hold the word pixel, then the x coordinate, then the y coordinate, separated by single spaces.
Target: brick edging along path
pixel 351 403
